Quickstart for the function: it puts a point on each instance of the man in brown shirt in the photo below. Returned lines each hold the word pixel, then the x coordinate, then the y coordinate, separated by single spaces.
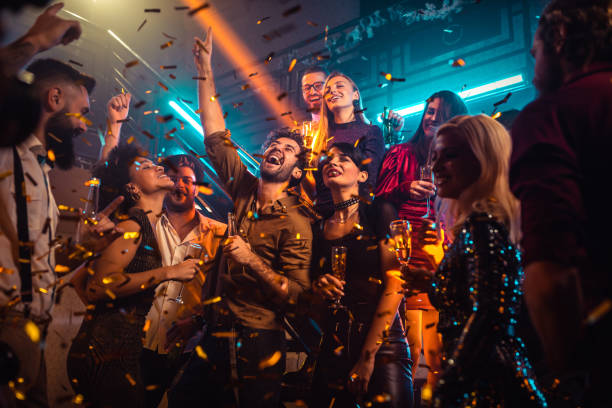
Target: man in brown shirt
pixel 266 265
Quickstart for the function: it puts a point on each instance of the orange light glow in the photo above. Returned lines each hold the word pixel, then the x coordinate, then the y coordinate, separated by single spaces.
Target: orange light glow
pixel 226 41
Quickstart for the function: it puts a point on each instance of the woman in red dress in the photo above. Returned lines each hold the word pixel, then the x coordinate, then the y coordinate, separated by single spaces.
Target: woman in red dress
pixel 399 183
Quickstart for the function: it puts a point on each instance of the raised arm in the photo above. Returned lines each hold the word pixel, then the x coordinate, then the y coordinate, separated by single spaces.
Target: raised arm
pixel 211 114
pixel 48 31
pixel 118 108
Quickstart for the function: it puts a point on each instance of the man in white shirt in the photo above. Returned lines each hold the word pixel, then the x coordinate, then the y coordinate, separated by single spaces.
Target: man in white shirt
pixel 182 232
pixel 25 312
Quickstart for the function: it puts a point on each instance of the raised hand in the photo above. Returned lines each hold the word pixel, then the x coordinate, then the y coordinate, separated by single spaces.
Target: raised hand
pixel 118 107
pixel 50 30
pixel 202 52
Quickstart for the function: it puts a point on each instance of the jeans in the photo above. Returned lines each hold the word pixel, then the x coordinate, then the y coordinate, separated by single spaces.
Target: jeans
pixel 207 382
pixel 392 376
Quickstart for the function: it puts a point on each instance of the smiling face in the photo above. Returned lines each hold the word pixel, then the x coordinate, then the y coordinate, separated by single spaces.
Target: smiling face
pixel 339 93
pixel 182 197
pixel 454 164
pixel 149 178
pixel 340 172
pixel 280 161
pixel 435 114
pixel 312 90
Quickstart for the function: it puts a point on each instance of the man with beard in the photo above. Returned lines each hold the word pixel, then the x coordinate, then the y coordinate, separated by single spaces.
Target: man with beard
pixel 266 262
pixel 29 216
pixel 182 231
pixel 559 168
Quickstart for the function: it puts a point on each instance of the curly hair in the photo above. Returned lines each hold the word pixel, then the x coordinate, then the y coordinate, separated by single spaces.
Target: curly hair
pixel 114 175
pixel 583 28
pixel 185 160
pixel 297 138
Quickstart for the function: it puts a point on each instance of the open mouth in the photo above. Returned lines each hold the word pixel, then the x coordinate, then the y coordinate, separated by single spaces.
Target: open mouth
pixel 333 99
pixel 274 158
pixel 314 99
pixel 332 172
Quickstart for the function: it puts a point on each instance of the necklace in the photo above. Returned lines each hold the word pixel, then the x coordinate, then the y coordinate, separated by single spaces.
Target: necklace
pixel 347 203
pixel 337 219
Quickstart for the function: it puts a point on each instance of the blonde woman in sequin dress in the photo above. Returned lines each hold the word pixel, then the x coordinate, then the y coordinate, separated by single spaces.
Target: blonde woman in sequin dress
pixel 478 285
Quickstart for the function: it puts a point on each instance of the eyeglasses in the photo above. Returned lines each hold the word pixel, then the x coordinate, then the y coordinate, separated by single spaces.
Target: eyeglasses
pixel 188 181
pixel 317 87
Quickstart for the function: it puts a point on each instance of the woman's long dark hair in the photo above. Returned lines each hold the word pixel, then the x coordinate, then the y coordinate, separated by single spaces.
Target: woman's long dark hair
pixel 452 105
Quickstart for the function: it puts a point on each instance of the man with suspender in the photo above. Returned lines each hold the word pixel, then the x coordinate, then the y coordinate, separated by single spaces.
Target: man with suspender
pixel 28 219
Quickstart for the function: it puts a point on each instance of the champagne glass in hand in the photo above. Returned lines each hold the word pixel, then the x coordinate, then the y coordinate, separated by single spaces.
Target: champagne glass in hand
pixel 338 265
pixel 194 251
pixel 426 174
pixel 402 241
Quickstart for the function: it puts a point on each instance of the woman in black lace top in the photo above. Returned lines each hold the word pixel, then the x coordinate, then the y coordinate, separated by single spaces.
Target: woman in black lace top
pixel 478 286
pixel 364 356
pixel 103 362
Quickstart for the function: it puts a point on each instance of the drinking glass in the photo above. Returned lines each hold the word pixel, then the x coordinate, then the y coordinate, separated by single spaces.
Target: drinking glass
pixel 194 251
pixel 338 266
pixel 401 231
pixel 426 174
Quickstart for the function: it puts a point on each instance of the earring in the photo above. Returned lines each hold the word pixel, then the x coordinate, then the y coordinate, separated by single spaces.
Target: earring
pixel 132 194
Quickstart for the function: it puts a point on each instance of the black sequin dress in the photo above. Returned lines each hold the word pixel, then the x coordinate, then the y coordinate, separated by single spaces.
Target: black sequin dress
pixel 478 291
pixel 104 357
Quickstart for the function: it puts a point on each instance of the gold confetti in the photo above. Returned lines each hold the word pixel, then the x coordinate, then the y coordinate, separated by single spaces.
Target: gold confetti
pixel 459 62
pixel 130 140
pixel 338 350
pixel 199 8
pixel 205 190
pixel 32 331
pixel 496 115
pixel 164 87
pixel 43 290
pixel 374 280
pixel 20 395
pixel 51 155
pixel 359 227
pixel 110 294
pixel 270 361
pixel 292 65
pixel 297 236
pixel 132 63
pixel 224 334
pixel 366 161
pixel 129 377
pixel 151 387
pixel 599 311
pixel 61 269
pixel 201 353
pixel 131 235
pixel 80 117
pixel 167 67
pixel 261 20
pixel 166 44
pixel 147 325
pixel 5 174
pixel 78 399
pixel 211 301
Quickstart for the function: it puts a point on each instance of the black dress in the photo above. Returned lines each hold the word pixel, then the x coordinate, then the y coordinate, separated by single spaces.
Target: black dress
pixel 345 332
pixel 478 290
pixel 104 357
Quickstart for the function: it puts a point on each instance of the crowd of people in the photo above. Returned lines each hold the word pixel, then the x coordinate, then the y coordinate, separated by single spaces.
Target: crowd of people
pixel 502 279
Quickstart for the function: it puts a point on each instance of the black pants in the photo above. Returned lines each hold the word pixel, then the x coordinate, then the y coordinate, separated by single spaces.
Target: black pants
pixel 158 371
pixel 392 377
pixel 260 366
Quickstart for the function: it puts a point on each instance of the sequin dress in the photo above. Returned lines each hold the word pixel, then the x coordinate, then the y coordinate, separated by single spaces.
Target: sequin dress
pixel 104 357
pixel 478 291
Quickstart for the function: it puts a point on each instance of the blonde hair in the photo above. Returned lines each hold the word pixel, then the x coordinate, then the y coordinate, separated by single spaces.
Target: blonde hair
pixel 327 116
pixel 492 146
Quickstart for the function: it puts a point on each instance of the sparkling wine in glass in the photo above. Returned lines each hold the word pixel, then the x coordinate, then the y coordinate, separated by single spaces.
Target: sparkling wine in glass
pixel 426 174
pixel 194 251
pixel 338 266
pixel 401 234
pixel 232 229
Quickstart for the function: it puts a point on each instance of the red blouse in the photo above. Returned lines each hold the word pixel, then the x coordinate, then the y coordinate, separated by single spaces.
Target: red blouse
pixel 400 167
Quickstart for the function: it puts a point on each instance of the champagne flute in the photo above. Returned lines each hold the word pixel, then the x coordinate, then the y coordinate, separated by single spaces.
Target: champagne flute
pixel 426 174
pixel 338 265
pixel 232 229
pixel 401 233
pixel 194 251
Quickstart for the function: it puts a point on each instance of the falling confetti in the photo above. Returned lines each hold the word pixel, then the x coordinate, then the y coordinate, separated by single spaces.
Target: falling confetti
pixel 142 24
pixel 148 134
pixel 211 301
pixel 458 62
pixel 131 235
pixel 51 155
pixel 311 23
pixel 269 58
pixel 201 353
pixel 166 45
pixel 270 361
pixel 200 8
pixel 78 64
pixel 32 331
pixel 167 67
pixel 153 10
pixel 130 379
pixel 291 11
pixel 281 96
pixel 261 20
pixel 164 87
pixel 292 65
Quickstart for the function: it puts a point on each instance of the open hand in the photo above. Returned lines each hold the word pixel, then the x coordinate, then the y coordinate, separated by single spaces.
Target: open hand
pixel 49 30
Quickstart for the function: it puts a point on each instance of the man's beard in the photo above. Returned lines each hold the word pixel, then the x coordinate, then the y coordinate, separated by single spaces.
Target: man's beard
pixel 552 80
pixel 186 205
pixel 278 176
pixel 61 142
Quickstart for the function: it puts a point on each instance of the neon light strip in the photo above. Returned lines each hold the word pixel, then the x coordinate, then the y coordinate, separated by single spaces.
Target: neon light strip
pixel 199 129
pixel 467 94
